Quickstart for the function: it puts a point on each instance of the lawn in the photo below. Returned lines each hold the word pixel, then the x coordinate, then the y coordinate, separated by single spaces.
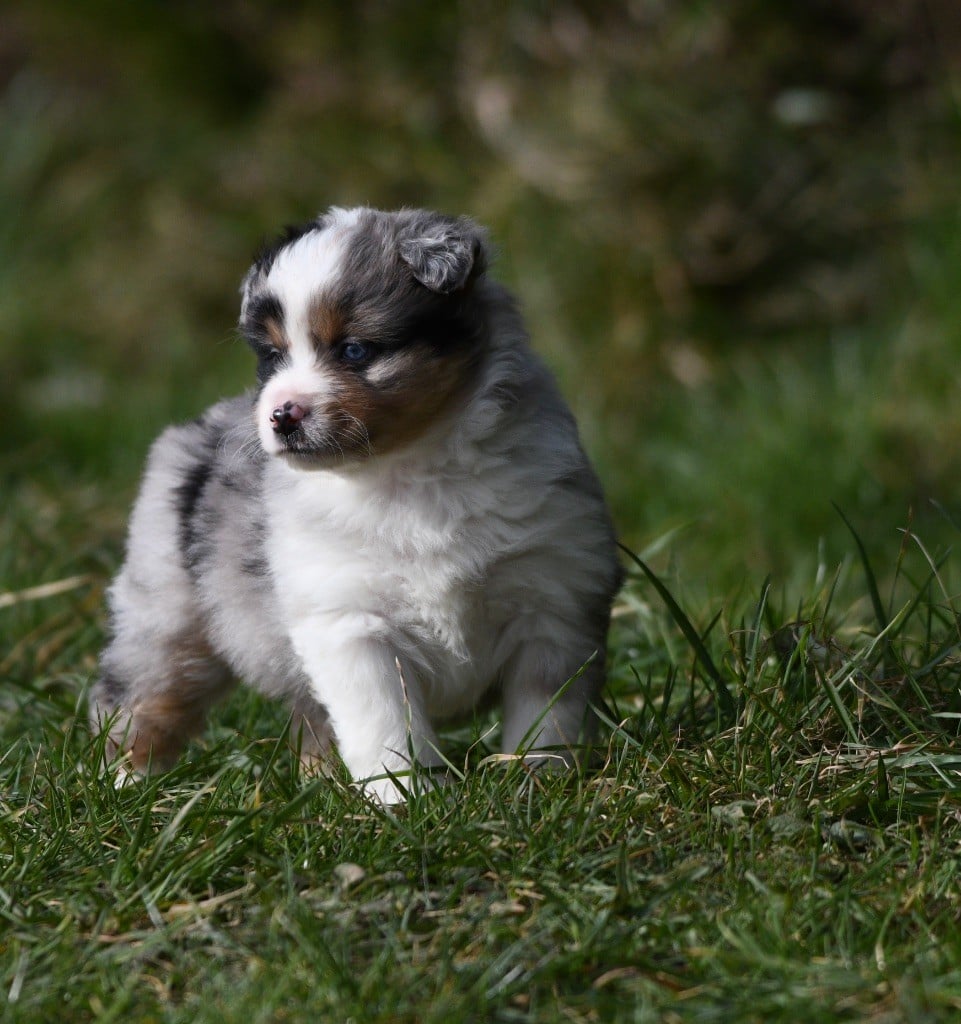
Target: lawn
pixel 736 239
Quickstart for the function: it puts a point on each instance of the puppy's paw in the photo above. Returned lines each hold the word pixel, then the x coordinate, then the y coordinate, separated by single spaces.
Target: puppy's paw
pixel 125 776
pixel 121 772
pixel 385 790
pixel 397 788
pixel 117 770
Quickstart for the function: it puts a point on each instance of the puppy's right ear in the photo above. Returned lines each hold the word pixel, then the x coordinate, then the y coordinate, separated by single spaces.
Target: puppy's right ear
pixel 248 287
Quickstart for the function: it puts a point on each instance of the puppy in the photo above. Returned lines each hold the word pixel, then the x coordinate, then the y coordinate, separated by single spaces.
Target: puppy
pixel 398 519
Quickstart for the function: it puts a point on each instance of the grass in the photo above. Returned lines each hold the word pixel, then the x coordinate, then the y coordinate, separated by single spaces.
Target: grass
pixel 736 239
pixel 789 855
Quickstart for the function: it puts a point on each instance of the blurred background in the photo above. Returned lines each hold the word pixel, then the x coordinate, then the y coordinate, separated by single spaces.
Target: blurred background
pixel 734 229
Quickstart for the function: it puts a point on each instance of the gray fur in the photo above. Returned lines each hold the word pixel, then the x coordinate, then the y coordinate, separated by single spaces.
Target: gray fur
pixel 192 588
pixel 442 253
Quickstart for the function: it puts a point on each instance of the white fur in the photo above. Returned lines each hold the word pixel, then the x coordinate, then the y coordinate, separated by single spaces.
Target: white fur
pixel 309 265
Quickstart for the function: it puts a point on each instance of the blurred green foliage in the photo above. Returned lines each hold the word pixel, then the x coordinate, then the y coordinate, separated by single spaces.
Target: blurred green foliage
pixel 733 227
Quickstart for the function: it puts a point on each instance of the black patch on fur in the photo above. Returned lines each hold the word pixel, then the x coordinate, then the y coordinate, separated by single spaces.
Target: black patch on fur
pixel 269 361
pixel 256 565
pixel 110 690
pixel 187 497
pixel 261 309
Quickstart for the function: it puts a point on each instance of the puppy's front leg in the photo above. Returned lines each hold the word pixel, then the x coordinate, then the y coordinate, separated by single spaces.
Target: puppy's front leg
pixel 547 695
pixel 374 702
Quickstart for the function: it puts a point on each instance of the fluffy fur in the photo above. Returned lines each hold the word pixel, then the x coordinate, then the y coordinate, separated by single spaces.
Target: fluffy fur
pixel 399 519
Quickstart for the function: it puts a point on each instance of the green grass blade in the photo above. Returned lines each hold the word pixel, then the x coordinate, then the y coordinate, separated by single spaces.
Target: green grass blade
pixel 872 582
pixel 721 691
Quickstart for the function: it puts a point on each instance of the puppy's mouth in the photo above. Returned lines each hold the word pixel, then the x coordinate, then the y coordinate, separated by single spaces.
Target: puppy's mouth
pixel 297 447
pixel 296 441
pixel 310 452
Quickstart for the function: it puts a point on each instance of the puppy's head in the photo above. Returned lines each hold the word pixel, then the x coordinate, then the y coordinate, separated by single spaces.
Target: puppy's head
pixel 366 329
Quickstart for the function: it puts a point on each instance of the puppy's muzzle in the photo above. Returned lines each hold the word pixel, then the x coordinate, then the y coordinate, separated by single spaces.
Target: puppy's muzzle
pixel 286 418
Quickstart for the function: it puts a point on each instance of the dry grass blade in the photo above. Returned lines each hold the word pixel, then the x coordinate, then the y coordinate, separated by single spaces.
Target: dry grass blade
pixel 45 590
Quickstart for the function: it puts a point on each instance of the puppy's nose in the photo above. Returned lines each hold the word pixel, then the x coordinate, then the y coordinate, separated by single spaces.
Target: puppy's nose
pixel 286 418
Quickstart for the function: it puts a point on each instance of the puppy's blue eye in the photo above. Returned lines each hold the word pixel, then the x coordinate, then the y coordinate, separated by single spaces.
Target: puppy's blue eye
pixel 355 352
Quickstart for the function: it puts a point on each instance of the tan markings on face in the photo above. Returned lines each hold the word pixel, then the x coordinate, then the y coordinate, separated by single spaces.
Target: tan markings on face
pixel 276 334
pixel 325 321
pixel 401 407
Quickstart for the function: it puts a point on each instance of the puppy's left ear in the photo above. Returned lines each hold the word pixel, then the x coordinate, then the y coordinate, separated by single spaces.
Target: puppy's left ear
pixel 445 254
pixel 252 278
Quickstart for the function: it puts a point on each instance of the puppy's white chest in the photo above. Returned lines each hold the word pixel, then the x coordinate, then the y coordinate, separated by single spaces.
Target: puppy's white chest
pixel 394 573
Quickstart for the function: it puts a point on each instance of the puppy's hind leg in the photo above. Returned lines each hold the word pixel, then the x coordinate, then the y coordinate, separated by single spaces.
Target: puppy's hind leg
pixel 153 696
